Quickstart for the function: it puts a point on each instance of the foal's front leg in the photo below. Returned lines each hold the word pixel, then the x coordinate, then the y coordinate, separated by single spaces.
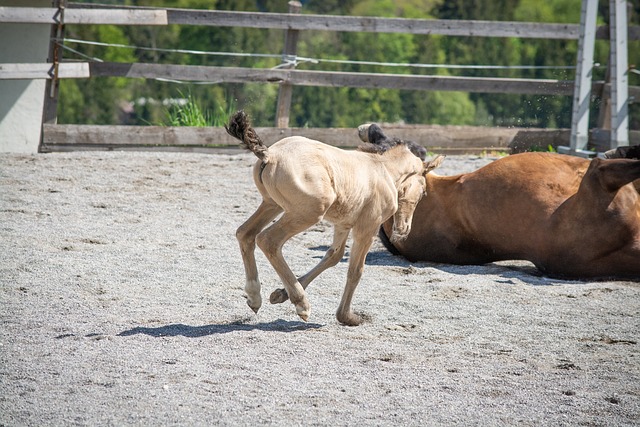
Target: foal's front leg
pixel 362 241
pixel 331 258
pixel 246 235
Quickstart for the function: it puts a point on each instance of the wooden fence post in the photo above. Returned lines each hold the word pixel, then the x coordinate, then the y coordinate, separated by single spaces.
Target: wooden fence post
pixel 288 56
pixel 50 112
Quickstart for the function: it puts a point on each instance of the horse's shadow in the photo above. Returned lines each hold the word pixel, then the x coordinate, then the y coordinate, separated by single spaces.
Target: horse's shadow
pixel 526 273
pixel 373 257
pixel 189 331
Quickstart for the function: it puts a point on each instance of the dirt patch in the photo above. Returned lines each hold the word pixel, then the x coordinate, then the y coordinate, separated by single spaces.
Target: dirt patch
pixel 121 288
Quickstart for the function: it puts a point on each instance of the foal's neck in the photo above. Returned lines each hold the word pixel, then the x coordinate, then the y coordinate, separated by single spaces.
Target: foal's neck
pixel 400 162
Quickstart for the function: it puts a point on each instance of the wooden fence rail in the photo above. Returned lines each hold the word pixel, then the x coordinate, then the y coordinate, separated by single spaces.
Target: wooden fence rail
pixel 334 78
pixel 301 77
pixel 435 138
pixel 80 13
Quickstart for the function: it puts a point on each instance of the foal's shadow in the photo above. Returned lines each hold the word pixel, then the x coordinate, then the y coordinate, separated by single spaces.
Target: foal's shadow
pixel 189 331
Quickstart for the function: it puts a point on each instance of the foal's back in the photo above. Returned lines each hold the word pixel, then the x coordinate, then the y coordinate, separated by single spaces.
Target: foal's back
pixel 308 164
pixel 338 182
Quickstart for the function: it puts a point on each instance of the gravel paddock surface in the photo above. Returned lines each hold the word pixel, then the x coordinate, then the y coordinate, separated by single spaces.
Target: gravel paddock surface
pixel 121 287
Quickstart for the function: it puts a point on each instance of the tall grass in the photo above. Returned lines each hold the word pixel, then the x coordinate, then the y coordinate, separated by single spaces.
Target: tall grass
pixel 537 148
pixel 190 113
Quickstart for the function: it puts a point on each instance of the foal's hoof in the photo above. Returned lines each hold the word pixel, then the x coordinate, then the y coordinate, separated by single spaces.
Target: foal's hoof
pixel 303 308
pixel 304 314
pixel 349 319
pixel 254 304
pixel 278 296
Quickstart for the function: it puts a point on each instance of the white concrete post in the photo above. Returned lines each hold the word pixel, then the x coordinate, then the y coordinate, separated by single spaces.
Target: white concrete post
pixel 22 101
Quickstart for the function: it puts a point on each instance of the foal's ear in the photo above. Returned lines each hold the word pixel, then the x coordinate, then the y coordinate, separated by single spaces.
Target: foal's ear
pixel 363 132
pixel 432 164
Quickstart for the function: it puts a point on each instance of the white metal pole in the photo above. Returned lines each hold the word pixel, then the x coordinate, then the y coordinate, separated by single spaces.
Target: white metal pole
pixel 619 73
pixel 582 87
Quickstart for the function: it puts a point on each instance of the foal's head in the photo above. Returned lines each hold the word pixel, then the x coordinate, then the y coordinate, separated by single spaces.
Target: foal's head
pixel 410 191
pixel 410 157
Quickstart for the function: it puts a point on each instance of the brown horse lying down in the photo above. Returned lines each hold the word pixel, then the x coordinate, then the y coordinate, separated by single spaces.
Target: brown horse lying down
pixel 306 181
pixel 571 217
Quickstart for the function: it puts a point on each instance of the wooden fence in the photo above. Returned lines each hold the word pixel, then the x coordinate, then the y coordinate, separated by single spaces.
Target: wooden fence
pixel 57 137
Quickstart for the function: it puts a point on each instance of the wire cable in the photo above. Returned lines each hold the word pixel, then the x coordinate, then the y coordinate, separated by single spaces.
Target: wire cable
pixel 289 61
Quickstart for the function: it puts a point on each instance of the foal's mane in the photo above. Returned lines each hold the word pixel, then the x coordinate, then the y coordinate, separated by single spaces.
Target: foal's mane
pixel 368 147
pixel 375 141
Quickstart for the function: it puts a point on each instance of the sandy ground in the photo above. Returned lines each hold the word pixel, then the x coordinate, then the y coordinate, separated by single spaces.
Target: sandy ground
pixel 122 304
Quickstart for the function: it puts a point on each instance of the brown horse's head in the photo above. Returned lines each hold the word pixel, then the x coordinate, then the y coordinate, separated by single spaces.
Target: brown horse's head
pixel 410 192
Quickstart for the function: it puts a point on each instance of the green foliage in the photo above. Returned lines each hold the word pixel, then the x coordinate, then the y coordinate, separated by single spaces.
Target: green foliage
pixel 550 149
pixel 188 113
pixel 112 101
pixel 96 100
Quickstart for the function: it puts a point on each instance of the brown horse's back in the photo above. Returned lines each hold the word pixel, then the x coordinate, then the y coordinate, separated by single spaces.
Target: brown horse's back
pixel 493 213
pixel 528 206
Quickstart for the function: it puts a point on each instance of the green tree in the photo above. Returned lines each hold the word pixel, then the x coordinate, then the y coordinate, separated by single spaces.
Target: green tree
pixel 102 100
pixel 95 100
pixel 352 106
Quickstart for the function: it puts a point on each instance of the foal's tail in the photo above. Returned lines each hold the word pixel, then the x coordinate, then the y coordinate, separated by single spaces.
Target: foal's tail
pixel 240 128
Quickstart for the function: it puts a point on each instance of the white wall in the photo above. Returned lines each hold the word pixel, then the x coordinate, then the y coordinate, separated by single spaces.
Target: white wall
pixel 21 101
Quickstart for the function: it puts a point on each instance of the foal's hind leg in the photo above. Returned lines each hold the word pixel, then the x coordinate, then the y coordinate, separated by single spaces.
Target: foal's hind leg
pixel 331 258
pixel 246 235
pixel 271 241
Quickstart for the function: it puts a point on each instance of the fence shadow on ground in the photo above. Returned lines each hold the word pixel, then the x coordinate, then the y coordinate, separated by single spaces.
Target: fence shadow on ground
pixel 190 331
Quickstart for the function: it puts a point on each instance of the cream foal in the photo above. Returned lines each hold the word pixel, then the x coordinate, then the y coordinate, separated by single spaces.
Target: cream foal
pixel 307 181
